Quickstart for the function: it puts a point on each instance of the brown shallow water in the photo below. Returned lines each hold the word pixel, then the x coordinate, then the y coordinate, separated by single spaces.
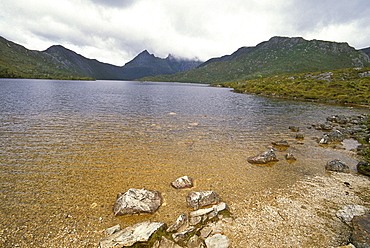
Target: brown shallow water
pixel 68 149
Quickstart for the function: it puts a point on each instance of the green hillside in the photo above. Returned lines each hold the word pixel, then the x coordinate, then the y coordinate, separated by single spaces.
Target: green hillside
pixel 18 62
pixel 59 62
pixel 351 85
pixel 279 55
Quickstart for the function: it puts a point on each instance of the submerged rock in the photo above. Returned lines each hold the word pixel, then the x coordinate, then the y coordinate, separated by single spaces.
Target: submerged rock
pixel 327 126
pixel 299 136
pixel 361 231
pixel 283 143
pixel 337 165
pixel 140 232
pixel 136 201
pixel 263 158
pixel 202 199
pixel 294 128
pixel 290 156
pixel 182 183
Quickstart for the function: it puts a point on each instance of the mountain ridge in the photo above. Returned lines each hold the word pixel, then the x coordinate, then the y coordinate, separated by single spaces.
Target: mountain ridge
pixel 278 55
pixel 60 62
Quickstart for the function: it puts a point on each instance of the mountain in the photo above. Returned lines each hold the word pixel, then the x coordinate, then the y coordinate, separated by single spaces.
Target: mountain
pixel 228 57
pixel 17 61
pixel 146 64
pixel 60 62
pixel 279 55
pixel 83 66
pixel 366 50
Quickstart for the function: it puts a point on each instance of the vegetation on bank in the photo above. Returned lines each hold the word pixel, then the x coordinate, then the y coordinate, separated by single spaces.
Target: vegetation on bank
pixel 345 86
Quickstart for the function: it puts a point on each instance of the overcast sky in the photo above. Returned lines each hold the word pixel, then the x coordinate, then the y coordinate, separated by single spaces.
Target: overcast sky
pixel 115 31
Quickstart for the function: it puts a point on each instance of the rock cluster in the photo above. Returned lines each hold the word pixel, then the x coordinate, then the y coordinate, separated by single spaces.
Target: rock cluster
pixel 192 229
pixel 340 127
pixel 358 216
pixel 344 127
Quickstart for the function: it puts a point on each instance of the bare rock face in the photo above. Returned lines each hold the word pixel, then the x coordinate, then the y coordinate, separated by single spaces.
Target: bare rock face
pixel 337 165
pixel 202 198
pixel 182 183
pixel 136 201
pixel 263 158
pixel 140 232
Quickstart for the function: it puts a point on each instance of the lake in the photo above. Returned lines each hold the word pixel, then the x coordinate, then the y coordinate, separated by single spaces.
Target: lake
pixel 69 147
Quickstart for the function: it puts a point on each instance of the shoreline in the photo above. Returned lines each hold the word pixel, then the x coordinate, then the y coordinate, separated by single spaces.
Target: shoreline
pixel 301 215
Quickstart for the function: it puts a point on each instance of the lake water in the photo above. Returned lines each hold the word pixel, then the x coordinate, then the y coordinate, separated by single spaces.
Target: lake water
pixel 68 148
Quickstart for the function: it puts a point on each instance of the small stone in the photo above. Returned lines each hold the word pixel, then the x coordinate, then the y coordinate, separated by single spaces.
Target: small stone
pixel 283 143
pixel 195 242
pixel 179 223
pixel 347 212
pixel 201 212
pixel 193 221
pixel 113 229
pixel 290 156
pixel 294 128
pixel 337 165
pixel 217 241
pixel 136 201
pixel 165 243
pixel 299 136
pixel 181 236
pixel 182 183
pixel 205 232
pixel 202 199
pixel 140 232
pixel 263 158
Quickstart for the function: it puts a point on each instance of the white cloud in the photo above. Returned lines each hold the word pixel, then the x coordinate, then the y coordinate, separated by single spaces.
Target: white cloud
pixel 115 31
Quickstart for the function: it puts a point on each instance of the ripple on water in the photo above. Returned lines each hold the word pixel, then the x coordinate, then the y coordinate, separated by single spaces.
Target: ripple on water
pixel 56 163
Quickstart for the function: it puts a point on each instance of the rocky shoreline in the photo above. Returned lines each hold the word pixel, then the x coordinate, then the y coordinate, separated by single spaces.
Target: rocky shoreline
pixel 336 207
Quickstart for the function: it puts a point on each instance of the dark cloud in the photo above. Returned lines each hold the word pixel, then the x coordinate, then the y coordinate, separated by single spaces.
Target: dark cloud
pixel 114 3
pixel 315 14
pixel 117 30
